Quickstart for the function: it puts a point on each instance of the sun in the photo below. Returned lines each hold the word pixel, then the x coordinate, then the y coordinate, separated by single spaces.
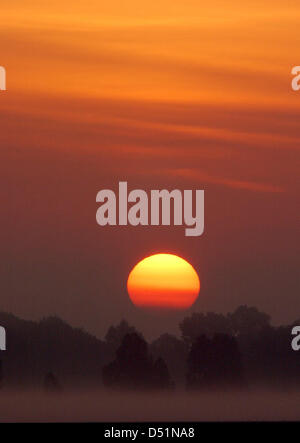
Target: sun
pixel 163 281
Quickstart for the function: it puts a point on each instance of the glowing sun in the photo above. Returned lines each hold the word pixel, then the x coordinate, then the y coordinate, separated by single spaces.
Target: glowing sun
pixel 163 281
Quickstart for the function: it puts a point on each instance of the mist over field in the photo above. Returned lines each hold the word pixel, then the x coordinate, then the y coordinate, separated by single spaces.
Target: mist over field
pixel 106 406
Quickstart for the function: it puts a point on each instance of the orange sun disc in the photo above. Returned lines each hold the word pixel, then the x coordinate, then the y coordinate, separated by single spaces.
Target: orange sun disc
pixel 163 281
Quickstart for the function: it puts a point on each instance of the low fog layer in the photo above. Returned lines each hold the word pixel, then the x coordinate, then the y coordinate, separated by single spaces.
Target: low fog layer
pixel 101 405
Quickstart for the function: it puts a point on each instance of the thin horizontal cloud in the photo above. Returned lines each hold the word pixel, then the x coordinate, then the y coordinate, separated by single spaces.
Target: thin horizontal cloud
pixel 141 122
pixel 150 136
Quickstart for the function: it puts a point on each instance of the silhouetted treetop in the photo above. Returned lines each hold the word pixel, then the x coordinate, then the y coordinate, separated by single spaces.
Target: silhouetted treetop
pixel 247 320
pixel 34 347
pixel 244 320
pixel 203 324
pixel 115 334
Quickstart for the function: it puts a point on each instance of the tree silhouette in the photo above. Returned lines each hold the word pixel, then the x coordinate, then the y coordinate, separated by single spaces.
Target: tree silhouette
pixel 269 359
pixel 174 351
pixel 203 324
pixel 228 362
pixel 74 354
pixel 115 334
pixel 78 357
pixel 244 320
pixel 214 362
pixel 133 367
pixel 199 363
pixel 247 320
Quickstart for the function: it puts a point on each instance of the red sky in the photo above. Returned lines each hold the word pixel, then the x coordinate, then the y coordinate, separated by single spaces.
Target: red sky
pixel 162 95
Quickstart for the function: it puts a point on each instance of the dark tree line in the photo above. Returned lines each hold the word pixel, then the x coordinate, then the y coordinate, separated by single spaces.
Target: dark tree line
pixel 235 350
pixel 238 349
pixel 207 363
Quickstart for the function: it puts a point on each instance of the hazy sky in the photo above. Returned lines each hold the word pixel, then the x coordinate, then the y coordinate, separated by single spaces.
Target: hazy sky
pixel 163 95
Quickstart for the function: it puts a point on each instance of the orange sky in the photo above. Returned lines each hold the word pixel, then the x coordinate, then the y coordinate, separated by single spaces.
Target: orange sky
pixel 219 57
pixel 171 94
pixel 223 52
